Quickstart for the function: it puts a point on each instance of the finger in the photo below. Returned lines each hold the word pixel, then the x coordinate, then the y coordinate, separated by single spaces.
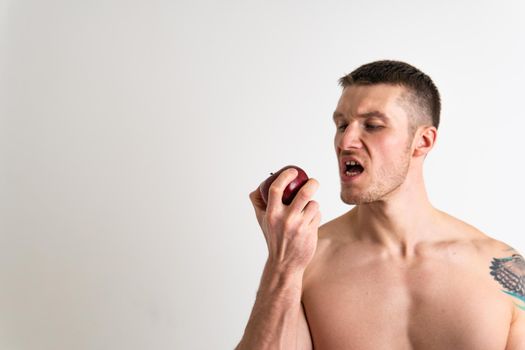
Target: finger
pixel 316 221
pixel 309 212
pixel 304 195
pixel 275 194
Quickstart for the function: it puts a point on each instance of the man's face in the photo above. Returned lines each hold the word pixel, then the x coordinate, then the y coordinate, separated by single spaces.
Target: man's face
pixel 371 129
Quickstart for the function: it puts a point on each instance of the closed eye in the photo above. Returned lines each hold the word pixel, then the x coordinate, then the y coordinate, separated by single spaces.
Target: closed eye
pixel 373 127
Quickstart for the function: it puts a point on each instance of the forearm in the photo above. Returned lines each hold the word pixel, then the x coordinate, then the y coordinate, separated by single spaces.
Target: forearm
pixel 275 314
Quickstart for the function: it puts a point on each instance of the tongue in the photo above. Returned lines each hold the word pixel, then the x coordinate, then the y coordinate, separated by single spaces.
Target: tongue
pixel 356 169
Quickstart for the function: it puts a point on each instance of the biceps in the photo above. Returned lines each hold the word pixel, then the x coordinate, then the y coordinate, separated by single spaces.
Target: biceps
pixel 516 340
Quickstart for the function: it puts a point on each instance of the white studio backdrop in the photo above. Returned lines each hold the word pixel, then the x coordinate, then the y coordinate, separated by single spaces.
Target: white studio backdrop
pixel 132 133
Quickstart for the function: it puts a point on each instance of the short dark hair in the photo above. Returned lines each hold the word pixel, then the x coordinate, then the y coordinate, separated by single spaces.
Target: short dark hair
pixel 424 94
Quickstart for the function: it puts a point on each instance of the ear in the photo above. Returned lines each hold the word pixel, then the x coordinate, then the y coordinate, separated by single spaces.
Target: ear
pixel 424 140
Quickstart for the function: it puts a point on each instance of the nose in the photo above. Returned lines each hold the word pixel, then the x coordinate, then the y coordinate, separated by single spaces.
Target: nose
pixel 350 137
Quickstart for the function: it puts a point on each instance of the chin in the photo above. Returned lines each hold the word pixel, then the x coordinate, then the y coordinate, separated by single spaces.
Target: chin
pixel 359 198
pixel 351 199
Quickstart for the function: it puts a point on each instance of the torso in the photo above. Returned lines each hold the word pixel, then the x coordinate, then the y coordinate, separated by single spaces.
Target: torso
pixel 357 297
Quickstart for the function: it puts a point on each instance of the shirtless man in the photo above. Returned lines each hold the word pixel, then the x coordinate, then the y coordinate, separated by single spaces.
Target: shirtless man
pixel 394 272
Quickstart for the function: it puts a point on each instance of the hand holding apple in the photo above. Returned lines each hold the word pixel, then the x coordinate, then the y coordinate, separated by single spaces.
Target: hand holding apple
pixel 291 190
pixel 288 218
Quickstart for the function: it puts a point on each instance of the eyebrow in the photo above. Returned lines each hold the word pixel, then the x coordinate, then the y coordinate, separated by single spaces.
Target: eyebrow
pixel 376 114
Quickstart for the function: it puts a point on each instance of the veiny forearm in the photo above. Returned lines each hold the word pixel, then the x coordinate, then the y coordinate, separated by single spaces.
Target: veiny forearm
pixel 275 314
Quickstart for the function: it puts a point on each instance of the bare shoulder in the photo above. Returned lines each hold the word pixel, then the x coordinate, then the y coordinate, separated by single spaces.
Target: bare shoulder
pixel 507 268
pixel 504 265
pixel 327 235
pixel 335 234
pixel 501 268
pixel 330 239
pixel 484 244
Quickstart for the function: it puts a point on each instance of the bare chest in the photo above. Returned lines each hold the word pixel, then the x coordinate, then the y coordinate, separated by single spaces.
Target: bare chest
pixel 380 305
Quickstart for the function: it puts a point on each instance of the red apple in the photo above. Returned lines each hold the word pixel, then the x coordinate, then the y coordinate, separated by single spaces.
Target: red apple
pixel 291 190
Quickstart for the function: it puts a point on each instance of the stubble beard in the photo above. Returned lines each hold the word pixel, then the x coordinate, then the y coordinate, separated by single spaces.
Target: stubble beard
pixel 385 181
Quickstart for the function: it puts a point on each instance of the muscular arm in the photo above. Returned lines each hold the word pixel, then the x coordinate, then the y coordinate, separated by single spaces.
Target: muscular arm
pixel 509 272
pixel 277 320
pixel 516 339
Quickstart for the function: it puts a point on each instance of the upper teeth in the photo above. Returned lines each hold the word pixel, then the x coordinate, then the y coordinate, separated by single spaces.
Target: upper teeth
pixel 352 163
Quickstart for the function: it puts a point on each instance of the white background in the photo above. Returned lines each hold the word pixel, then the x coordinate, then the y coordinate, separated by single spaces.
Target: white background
pixel 132 133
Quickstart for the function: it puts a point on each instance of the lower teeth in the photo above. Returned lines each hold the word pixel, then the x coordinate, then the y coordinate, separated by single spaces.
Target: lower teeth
pixel 354 173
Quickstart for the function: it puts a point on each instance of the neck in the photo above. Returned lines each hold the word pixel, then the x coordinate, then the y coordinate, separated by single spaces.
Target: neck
pixel 401 220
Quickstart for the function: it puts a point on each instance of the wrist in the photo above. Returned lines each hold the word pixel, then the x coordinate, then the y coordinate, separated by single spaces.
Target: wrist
pixel 282 268
pixel 282 277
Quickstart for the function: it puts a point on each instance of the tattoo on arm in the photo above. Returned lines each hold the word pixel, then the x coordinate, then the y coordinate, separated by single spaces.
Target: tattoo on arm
pixel 509 272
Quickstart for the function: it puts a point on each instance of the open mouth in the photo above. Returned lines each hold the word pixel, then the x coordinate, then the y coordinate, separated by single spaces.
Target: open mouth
pixel 353 168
